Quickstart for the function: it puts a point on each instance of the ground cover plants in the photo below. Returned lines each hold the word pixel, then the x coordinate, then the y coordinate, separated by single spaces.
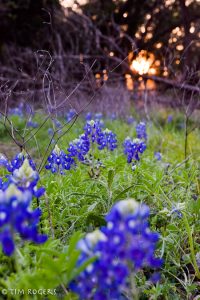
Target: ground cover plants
pixel 113 214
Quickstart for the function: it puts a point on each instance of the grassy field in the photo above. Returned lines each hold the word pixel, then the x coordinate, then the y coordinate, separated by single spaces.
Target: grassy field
pixel 77 203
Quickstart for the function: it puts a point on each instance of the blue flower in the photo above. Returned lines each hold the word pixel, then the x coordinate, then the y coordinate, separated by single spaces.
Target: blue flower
pixel 107 139
pixel 32 124
pixel 112 116
pixel 93 135
pixel 141 131
pixel 26 178
pixel 79 147
pixel 71 113
pixel 98 116
pixel 57 123
pixel 3 161
pixel 18 160
pixel 133 148
pixel 158 155
pixel 50 131
pixel 169 119
pixel 177 209
pixel 17 111
pixel 130 120
pixel 16 217
pixel 103 138
pixel 88 116
pixel 58 161
pixel 93 131
pixel 121 249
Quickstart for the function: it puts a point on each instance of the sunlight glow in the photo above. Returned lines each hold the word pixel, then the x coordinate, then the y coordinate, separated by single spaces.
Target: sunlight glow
pixel 71 3
pixel 142 64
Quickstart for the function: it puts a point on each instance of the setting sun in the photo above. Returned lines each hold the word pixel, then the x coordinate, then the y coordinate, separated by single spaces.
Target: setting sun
pixel 71 3
pixel 143 63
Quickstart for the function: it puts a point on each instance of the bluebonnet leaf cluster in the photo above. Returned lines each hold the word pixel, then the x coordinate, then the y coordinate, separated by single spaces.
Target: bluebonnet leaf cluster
pixel 141 131
pixel 133 149
pixel 17 218
pixel 59 161
pixel 123 247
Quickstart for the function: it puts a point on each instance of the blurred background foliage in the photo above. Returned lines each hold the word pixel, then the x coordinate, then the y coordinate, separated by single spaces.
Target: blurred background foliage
pixel 167 28
pixel 131 45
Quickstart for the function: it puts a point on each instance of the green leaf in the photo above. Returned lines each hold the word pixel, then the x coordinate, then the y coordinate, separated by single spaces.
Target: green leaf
pixel 111 174
pixel 122 193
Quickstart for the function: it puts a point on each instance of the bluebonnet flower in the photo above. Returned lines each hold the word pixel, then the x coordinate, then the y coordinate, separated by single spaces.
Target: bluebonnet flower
pixel 141 131
pixel 29 110
pixel 58 161
pixel 93 131
pixel 3 161
pixel 177 209
pixel 57 123
pixel 17 111
pixel 16 217
pixel 50 131
pixel 104 139
pixel 133 148
pixel 26 178
pixel 198 259
pixel 88 116
pixel 112 116
pixel 158 155
pixel 18 160
pixel 155 277
pixel 3 183
pixel 83 147
pixel 130 120
pixel 169 119
pixel 32 124
pixel 79 147
pixel 71 113
pixel 121 249
pixel 98 116
pixel 107 140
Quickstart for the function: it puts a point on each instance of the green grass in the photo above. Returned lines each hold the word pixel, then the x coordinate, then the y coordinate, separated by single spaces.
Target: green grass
pixel 75 202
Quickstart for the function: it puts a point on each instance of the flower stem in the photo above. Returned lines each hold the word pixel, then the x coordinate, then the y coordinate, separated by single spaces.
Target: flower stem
pixel 191 243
